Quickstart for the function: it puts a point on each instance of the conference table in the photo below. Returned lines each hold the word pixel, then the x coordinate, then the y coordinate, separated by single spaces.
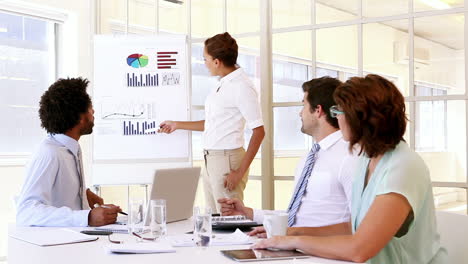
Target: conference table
pixel 20 252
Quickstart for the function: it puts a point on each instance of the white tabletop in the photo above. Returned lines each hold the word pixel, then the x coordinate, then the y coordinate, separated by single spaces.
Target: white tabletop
pixel 20 252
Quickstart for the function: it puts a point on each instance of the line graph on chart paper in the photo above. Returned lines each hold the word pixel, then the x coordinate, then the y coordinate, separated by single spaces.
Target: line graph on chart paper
pixel 126 110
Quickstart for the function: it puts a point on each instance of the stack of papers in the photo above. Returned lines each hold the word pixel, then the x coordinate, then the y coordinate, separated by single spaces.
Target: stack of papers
pixel 42 236
pixel 141 248
pixel 236 238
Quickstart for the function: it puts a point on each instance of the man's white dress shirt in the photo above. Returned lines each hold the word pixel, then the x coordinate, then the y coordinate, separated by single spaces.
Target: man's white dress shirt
pixel 327 200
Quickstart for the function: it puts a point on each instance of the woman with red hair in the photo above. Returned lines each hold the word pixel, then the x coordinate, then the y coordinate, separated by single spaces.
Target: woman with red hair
pixel 393 215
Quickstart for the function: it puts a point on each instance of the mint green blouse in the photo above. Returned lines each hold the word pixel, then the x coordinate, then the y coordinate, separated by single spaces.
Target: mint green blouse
pixel 401 171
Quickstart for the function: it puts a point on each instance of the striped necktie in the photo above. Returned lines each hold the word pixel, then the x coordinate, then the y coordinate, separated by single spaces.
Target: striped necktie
pixel 302 185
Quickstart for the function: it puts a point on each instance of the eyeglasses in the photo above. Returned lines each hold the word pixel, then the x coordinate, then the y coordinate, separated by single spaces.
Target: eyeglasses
pixel 133 233
pixel 143 238
pixel 114 241
pixel 334 111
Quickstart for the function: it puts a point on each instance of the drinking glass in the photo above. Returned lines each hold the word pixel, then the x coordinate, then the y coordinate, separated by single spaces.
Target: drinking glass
pixel 158 218
pixel 202 226
pixel 135 216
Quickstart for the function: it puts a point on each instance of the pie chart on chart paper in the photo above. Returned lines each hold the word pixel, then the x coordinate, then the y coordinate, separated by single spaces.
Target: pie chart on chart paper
pixel 137 60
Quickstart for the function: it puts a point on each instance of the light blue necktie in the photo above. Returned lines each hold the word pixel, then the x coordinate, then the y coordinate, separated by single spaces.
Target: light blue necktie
pixel 302 185
pixel 83 199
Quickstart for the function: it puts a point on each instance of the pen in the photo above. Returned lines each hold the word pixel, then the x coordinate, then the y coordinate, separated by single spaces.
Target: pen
pixel 104 206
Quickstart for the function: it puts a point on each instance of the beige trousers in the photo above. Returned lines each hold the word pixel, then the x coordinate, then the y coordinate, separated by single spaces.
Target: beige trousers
pixel 219 163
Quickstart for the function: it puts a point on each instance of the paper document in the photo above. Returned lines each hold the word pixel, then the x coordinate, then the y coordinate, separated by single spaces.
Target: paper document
pixel 42 236
pixel 140 248
pixel 236 238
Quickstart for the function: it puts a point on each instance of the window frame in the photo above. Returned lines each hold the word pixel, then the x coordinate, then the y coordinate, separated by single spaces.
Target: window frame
pixel 9 159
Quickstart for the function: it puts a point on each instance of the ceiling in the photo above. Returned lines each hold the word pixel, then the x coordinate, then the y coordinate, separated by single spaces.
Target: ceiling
pixel 447 30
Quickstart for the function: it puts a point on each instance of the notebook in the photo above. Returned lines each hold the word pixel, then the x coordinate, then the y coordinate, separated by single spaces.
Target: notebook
pixel 123 229
pixel 236 238
pixel 43 237
pixel 140 248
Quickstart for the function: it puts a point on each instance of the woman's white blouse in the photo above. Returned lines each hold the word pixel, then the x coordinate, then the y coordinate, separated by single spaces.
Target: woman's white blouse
pixel 228 108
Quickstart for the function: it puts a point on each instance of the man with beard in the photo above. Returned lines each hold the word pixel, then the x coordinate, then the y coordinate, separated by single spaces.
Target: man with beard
pixel 54 192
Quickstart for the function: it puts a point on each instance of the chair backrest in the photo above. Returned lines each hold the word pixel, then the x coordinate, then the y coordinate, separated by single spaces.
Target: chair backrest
pixel 453 229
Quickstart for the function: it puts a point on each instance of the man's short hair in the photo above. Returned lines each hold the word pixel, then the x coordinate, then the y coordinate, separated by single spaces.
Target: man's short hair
pixel 320 92
pixel 63 103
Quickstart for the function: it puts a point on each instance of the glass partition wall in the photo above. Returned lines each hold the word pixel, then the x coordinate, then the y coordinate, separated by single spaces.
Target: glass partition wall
pixel 417 44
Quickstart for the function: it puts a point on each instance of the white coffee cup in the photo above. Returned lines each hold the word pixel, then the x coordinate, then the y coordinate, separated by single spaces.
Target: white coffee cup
pixel 275 224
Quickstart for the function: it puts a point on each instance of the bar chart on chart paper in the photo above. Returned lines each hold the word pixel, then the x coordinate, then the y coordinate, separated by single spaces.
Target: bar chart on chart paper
pixel 132 128
pixel 167 60
pixel 127 110
pixel 142 80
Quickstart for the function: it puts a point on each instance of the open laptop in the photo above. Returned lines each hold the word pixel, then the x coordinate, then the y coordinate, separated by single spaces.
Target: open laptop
pixel 178 187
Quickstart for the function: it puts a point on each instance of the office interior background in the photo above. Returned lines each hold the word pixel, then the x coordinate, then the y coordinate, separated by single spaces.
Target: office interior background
pixel 418 44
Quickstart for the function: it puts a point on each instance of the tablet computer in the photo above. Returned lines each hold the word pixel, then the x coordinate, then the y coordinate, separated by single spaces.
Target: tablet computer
pixel 244 255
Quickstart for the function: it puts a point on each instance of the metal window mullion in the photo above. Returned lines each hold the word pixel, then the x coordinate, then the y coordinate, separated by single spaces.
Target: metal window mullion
pixel 367 20
pixel 246 34
pixel 411 55
pixel 57 49
pixel 188 13
pixel 465 30
pixel 189 25
pixel 32 11
pixel 266 104
pixel 286 104
pixel 435 98
pixel 360 9
pixel 127 16
pixel 224 15
pixel 95 10
pixel 445 126
pixel 411 88
pixel 313 36
pixel 462 185
pixel 283 178
pixel 156 20
pixel 360 52
pixel 198 107
pixel 97 15
pixel 236 36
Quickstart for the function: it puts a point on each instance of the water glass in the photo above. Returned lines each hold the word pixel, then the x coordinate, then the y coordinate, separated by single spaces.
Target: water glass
pixel 158 218
pixel 202 226
pixel 135 221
